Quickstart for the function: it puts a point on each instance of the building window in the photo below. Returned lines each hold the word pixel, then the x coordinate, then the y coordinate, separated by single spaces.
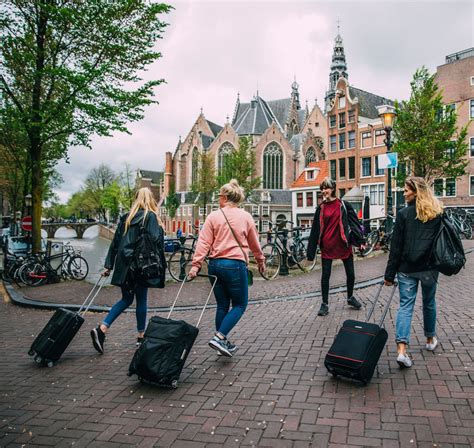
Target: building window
pixel 472 147
pixel 366 166
pixel 342 120
pixel 472 80
pixel 352 139
pixel 471 186
pixel 332 166
pixel 299 199
pixel 373 194
pixel 342 141
pixel 265 210
pixel 451 187
pixel 378 171
pixel 351 116
pixel 366 139
pixel 351 163
pixel 381 194
pixel 273 167
pixel 310 175
pixel 342 168
pixel 365 190
pixel 223 156
pixel 342 192
pixel 310 156
pixel 195 166
pixel 309 199
pixel 445 187
pixel 332 121
pixel 342 102
pixel 332 143
pixel 379 137
pixel 438 187
pixel 472 109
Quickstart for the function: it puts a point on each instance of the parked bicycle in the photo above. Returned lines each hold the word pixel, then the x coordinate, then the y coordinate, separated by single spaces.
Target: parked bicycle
pixel 462 221
pixel 380 236
pixel 295 248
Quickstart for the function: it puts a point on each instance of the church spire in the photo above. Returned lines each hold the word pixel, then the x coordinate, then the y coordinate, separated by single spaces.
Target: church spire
pixel 338 67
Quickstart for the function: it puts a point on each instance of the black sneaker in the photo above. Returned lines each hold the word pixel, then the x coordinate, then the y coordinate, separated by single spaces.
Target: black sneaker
pixel 139 342
pixel 220 345
pixel 324 309
pixel 352 301
pixel 98 339
pixel 231 347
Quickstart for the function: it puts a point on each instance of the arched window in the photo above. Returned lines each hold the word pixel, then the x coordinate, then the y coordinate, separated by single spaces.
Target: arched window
pixel 310 156
pixel 222 156
pixel 273 167
pixel 195 166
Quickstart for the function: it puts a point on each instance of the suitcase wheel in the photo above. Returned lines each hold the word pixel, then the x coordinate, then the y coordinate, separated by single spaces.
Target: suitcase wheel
pixel 31 352
pixel 174 384
pixel 38 359
pixel 334 374
pixel 50 364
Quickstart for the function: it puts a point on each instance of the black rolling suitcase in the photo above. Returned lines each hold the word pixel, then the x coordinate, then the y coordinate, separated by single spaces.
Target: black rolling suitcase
pixel 166 345
pixel 58 333
pixel 357 346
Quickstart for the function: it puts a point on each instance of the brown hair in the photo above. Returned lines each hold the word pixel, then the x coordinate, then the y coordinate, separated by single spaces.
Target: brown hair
pixel 328 183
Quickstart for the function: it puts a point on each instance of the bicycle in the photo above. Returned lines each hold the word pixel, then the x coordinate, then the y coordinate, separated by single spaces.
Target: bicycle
pixel 296 251
pixel 180 261
pixel 461 222
pixel 378 236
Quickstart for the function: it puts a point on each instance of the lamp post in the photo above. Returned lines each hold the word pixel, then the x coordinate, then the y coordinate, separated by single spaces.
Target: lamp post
pixel 387 114
pixel 28 202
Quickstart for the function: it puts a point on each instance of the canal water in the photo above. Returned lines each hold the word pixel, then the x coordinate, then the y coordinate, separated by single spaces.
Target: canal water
pixel 93 248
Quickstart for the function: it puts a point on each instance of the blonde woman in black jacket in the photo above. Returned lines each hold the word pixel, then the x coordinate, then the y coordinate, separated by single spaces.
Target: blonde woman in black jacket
pixel 413 236
pixel 144 212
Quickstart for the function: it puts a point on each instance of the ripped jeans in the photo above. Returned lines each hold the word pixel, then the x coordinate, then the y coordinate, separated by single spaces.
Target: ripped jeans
pixel 408 286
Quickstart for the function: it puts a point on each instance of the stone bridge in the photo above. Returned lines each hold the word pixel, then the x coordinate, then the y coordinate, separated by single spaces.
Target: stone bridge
pixel 79 227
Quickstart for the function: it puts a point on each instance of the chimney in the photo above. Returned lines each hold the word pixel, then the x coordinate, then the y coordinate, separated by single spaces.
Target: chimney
pixel 168 173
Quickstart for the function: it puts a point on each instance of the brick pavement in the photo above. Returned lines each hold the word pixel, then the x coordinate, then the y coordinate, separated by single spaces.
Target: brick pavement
pixel 274 392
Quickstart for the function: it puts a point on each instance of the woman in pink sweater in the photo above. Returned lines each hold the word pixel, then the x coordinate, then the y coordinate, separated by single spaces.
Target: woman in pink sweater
pixel 226 237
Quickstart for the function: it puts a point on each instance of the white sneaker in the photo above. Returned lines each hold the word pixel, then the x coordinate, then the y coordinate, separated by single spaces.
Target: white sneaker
pixel 404 361
pixel 431 347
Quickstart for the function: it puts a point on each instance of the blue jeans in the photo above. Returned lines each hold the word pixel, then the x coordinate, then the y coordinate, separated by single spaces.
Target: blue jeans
pixel 140 293
pixel 408 286
pixel 231 288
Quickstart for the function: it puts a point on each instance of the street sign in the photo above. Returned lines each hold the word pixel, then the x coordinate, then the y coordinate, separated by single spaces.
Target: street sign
pixel 388 160
pixel 26 224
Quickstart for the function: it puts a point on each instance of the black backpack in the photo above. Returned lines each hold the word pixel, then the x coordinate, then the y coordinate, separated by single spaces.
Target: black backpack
pixel 146 263
pixel 447 253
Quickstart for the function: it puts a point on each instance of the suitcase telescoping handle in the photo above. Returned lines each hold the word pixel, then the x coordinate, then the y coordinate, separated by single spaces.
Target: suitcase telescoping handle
pixel 92 295
pixel 207 300
pixel 387 306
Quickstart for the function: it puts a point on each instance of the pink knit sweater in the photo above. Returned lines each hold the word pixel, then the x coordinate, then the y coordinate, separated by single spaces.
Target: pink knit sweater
pixel 217 241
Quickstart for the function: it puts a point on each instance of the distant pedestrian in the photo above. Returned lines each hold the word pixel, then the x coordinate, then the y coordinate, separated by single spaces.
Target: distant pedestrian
pixel 335 229
pixel 269 232
pixel 179 233
pixel 227 235
pixel 413 236
pixel 120 257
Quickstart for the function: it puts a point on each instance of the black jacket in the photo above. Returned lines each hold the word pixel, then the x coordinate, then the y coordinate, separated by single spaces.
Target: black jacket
pixel 350 226
pixel 119 257
pixel 411 243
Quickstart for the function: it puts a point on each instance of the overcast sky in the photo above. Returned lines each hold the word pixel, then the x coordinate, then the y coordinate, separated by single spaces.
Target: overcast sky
pixel 213 50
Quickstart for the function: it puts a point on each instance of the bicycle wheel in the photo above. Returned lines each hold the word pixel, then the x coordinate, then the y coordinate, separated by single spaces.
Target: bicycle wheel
pixel 179 264
pixel 467 231
pixel 371 241
pixel 300 255
pixel 32 274
pixel 272 261
pixel 78 267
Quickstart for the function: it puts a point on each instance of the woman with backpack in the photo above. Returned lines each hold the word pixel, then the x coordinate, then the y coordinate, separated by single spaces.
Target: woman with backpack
pixel 335 229
pixel 227 235
pixel 140 224
pixel 413 236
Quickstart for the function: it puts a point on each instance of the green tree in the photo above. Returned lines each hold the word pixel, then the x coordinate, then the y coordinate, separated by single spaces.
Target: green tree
pixel 206 183
pixel 426 134
pixel 240 165
pixel 127 186
pixel 111 200
pixel 96 184
pixel 70 69
pixel 172 201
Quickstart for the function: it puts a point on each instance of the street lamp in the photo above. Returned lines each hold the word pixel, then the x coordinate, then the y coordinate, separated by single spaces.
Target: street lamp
pixel 387 114
pixel 28 202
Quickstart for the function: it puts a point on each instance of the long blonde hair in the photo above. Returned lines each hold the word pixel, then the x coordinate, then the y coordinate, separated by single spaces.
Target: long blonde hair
pixel 428 206
pixel 143 200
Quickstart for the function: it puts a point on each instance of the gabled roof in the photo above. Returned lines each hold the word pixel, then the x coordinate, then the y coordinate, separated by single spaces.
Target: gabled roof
pixel 368 102
pixel 322 168
pixel 206 141
pixel 280 109
pixel 155 176
pixel 215 128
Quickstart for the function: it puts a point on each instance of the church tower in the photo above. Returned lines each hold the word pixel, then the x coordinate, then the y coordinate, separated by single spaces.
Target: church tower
pixel 338 69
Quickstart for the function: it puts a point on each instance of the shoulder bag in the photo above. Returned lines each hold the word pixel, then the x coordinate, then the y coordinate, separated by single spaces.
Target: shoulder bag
pixel 249 272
